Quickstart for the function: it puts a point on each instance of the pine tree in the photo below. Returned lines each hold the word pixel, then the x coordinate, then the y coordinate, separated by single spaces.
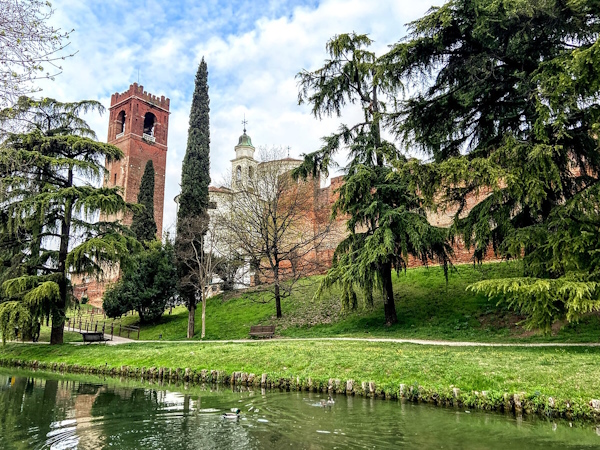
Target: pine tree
pixel 508 102
pixel 195 179
pixel 386 222
pixel 143 224
pixel 50 173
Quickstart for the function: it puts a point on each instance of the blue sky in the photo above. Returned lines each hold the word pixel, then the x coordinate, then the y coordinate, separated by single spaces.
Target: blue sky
pixel 253 50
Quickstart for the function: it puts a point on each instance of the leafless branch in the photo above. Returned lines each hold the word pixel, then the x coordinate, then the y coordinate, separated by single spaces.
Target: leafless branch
pixel 30 49
pixel 276 224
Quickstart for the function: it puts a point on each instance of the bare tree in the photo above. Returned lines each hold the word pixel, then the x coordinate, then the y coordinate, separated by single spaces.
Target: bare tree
pixel 274 223
pixel 201 263
pixel 30 49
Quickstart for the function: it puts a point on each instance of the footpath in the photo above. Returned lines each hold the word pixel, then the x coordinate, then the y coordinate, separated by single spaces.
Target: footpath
pixel 121 340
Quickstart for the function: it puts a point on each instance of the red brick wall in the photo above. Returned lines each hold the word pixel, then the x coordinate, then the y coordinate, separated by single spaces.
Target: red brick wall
pixel 92 289
pixel 323 200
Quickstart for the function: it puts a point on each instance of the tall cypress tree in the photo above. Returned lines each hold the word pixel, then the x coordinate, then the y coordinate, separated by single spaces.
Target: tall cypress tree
pixel 195 178
pixel 143 224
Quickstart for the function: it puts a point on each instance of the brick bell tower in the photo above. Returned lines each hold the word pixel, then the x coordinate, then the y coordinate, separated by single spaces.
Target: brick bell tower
pixel 138 125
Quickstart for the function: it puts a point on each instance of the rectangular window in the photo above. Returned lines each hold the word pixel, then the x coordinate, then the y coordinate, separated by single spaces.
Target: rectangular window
pixel 115 178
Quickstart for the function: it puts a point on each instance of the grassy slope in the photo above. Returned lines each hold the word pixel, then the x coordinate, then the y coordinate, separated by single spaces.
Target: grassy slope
pixel 558 372
pixel 427 307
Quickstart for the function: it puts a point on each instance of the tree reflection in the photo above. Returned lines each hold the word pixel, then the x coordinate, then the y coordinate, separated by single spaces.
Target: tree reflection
pixel 30 407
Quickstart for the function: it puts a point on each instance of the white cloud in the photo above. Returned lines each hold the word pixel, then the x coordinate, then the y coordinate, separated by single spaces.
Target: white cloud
pixel 253 51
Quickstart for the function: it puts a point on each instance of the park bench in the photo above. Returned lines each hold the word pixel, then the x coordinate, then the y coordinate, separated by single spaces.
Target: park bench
pixel 93 336
pixel 262 330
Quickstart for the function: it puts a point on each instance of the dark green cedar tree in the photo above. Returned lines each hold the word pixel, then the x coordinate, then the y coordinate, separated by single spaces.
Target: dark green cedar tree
pixel 51 202
pixel 148 282
pixel 386 222
pixel 503 100
pixel 193 199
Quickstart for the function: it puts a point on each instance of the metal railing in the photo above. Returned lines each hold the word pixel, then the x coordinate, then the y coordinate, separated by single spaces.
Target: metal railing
pixel 84 326
pixel 148 137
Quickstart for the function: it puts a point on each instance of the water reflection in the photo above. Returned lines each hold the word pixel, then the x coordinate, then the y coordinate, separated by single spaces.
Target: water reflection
pixel 42 411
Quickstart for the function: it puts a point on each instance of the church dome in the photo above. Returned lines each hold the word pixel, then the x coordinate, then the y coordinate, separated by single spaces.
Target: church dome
pixel 245 140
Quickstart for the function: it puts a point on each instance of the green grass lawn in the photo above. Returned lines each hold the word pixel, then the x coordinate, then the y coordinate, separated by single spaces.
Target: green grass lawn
pixel 564 373
pixel 69 336
pixel 427 307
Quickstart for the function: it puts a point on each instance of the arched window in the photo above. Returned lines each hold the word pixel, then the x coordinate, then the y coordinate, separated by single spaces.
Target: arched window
pixel 250 172
pixel 121 122
pixel 149 121
pixel 238 173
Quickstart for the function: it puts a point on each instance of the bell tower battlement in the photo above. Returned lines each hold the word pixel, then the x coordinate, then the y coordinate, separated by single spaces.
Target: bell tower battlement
pixel 138 91
pixel 138 125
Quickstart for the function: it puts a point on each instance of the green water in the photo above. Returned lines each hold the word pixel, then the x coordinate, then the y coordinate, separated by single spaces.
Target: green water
pixel 44 411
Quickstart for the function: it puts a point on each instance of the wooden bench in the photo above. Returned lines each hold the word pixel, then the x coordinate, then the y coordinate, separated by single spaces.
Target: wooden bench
pixel 262 330
pixel 93 336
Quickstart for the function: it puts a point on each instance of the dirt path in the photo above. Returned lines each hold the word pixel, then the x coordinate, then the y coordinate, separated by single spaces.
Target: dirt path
pixel 116 340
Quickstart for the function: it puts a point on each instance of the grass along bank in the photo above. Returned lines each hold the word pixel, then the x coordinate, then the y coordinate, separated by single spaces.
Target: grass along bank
pixel 567 375
pixel 427 308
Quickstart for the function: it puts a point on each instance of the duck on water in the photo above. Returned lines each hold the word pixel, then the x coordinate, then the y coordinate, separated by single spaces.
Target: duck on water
pixel 234 414
pixel 328 402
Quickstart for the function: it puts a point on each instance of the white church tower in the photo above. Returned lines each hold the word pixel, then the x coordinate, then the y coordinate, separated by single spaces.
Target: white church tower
pixel 243 167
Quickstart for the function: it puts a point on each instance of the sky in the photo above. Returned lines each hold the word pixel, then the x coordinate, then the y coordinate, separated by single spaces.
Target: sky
pixel 253 50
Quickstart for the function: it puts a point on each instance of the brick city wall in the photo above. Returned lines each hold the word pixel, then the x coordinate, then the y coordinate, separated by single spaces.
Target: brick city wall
pixel 323 200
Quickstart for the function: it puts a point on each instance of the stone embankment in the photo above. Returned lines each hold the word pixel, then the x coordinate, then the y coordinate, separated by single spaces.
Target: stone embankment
pixel 518 403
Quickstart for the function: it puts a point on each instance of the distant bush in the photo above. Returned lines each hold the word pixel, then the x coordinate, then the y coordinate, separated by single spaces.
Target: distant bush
pixel 114 301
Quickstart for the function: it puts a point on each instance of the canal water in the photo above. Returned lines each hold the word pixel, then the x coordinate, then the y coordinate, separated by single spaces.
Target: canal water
pixel 46 411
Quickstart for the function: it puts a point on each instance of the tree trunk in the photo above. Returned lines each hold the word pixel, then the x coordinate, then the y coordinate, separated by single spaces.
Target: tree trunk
pixel 191 320
pixel 203 316
pixel 57 333
pixel 388 295
pixel 59 313
pixel 277 294
pixel 375 128
pixel 278 302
